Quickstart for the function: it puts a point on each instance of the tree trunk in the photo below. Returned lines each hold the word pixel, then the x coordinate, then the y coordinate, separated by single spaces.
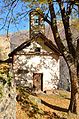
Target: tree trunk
pixel 73 107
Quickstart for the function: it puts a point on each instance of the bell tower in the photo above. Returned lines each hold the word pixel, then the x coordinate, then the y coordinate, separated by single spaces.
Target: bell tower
pixel 36 23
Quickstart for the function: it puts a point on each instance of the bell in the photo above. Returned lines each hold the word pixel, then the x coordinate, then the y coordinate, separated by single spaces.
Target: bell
pixel 36 20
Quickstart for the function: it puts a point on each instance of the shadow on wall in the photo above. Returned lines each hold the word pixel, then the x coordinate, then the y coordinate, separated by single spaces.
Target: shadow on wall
pixel 66 85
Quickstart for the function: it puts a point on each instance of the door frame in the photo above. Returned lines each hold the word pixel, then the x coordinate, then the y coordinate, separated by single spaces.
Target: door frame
pixel 41 89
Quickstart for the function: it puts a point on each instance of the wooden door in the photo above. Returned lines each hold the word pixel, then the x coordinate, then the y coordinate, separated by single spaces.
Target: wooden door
pixel 38 82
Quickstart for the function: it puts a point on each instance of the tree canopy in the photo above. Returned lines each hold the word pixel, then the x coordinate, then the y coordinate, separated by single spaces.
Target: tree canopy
pixel 14 13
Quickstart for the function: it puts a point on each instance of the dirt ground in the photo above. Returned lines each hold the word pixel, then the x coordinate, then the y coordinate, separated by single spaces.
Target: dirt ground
pixel 43 106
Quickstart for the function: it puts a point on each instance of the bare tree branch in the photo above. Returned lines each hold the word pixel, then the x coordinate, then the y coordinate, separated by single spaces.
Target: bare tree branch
pixel 68 34
pixel 54 28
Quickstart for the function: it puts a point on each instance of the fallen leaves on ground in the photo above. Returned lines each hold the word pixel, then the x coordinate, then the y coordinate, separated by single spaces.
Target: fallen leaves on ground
pixel 52 106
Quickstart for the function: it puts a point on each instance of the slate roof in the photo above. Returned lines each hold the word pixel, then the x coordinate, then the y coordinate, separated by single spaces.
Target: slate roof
pixel 47 42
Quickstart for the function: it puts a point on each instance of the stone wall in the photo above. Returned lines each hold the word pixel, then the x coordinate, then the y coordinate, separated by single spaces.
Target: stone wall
pixel 8 104
pixel 7 100
pixel 25 66
pixel 7 90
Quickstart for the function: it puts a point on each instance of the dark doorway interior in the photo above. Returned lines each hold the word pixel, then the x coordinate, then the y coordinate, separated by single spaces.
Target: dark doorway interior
pixel 38 81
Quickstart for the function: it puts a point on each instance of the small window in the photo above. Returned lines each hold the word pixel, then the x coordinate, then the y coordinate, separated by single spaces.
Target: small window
pixel 37 50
